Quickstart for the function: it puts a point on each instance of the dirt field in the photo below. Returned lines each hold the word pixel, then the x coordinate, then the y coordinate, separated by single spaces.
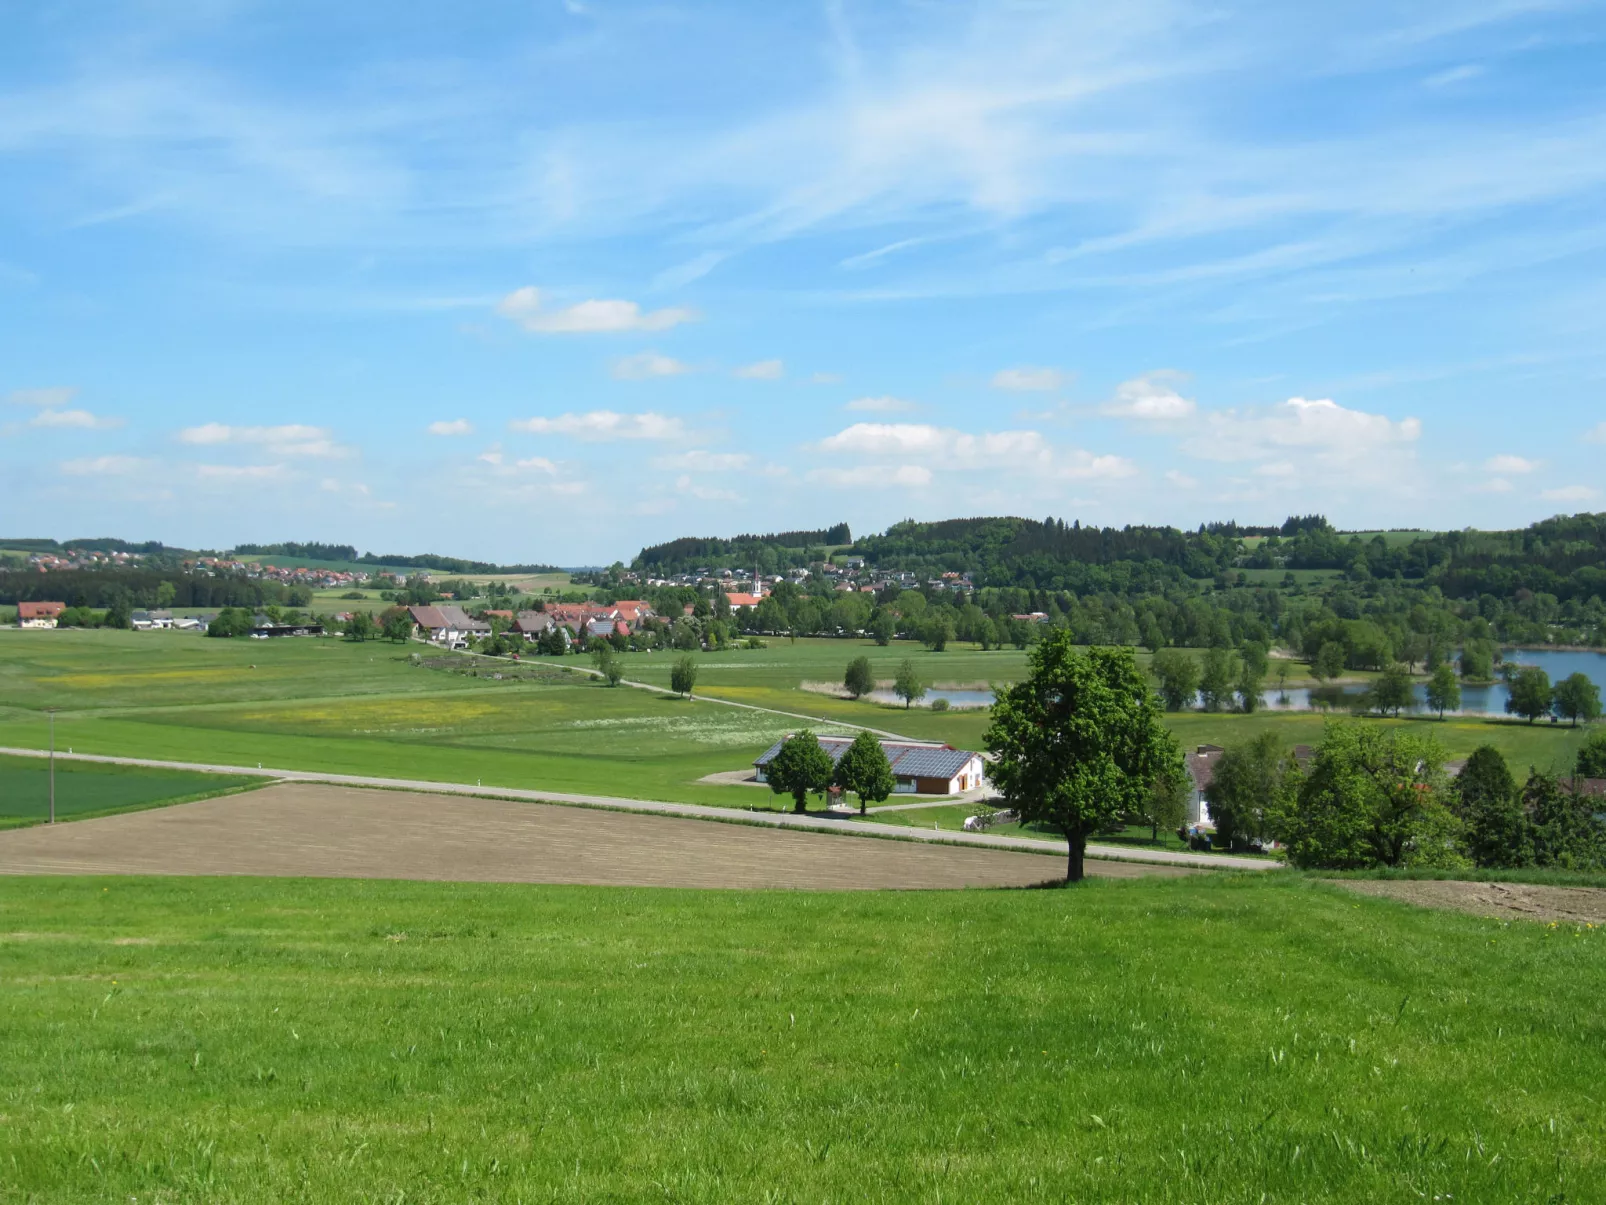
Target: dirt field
pixel 345 832
pixel 1527 901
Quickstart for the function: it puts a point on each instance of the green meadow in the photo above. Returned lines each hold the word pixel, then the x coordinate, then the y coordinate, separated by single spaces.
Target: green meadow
pixel 1219 1038
pixel 366 709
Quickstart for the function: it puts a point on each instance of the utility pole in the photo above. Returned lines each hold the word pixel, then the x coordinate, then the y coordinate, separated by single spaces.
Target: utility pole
pixel 52 765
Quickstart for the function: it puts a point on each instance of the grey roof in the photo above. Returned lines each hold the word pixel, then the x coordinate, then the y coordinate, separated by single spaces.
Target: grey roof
pixel 908 760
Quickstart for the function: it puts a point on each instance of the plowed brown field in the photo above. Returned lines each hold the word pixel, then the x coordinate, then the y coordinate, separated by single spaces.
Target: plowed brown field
pixel 305 829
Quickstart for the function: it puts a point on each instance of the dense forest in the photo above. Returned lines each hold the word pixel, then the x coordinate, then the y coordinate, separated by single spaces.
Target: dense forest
pixel 773 553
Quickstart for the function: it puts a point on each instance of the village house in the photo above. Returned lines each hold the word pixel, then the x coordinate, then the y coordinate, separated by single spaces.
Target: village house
pixel 39 614
pixel 448 625
pixel 920 769
pixel 147 621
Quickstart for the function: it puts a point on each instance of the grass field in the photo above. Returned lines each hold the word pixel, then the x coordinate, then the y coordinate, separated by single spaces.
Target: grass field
pixel 87 789
pixel 364 709
pixel 1204 1039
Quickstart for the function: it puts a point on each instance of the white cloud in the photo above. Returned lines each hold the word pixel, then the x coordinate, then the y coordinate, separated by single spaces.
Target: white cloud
pixel 455 426
pixel 81 419
pixel 698 461
pixel 101 466
pixel 242 472
pixel 1596 434
pixel 958 451
pixel 1571 493
pixel 604 425
pixel 706 493
pixel 1510 464
pixel 825 378
pixel 1150 398
pixel 51 399
pixel 645 365
pixel 1029 379
pixel 292 439
pixel 762 370
pixel 492 456
pixel 874 476
pixel 1329 435
pixel 1277 468
pixel 1181 480
pixel 539 463
pixel 587 317
pixel 879 405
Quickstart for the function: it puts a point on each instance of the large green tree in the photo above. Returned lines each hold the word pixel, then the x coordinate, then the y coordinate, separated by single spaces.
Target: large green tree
pixel 1577 698
pixel 1444 691
pixel 683 676
pixel 908 685
pixel 1216 679
pixel 1497 829
pixel 864 769
pixel 1177 673
pixel 1373 797
pixel 1079 742
pixel 859 679
pixel 1530 695
pixel 1392 690
pixel 801 766
pixel 1247 784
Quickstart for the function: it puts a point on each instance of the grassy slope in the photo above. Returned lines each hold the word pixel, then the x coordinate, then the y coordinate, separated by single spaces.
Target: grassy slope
pixel 84 789
pixel 362 709
pixel 1186 1040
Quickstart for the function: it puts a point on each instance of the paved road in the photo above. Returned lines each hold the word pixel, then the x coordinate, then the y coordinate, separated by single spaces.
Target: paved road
pixel 816 821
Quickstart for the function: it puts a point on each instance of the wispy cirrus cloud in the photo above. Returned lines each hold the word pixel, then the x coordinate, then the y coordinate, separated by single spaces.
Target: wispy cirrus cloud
pixel 103 466
pixel 526 307
pixel 290 439
pixel 604 426
pixel 880 405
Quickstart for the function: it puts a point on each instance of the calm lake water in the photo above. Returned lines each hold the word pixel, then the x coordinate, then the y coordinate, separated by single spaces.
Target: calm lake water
pixel 1475 700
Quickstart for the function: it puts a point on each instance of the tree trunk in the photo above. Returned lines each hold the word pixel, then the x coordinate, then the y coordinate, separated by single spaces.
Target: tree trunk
pixel 1078 852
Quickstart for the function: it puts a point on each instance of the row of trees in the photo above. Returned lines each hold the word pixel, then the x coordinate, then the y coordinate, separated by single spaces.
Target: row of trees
pixel 802 767
pixel 1381 798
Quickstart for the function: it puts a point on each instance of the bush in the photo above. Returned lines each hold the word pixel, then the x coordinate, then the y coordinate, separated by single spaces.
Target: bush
pixel 939 705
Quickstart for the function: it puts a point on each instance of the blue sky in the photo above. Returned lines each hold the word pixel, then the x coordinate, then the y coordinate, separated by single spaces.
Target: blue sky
pixel 548 281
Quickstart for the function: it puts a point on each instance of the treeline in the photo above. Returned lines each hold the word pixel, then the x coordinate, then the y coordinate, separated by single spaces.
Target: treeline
pixel 347 554
pixel 144 587
pixel 771 553
pixel 1381 798
pixel 97 544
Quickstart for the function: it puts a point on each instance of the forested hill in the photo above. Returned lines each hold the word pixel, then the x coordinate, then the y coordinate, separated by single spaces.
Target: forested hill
pixel 772 553
pixel 1564 557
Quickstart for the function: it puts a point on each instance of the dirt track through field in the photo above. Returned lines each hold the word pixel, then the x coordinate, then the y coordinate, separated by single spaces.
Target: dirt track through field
pixel 1504 901
pixel 306 829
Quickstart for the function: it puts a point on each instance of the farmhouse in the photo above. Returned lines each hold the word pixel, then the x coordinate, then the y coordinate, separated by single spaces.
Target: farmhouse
pixel 39 614
pixel 921 769
pixel 148 621
pixel 531 624
pixel 446 625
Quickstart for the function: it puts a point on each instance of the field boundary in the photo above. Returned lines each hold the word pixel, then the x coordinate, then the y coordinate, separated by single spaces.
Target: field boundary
pixel 694 811
pixel 11 823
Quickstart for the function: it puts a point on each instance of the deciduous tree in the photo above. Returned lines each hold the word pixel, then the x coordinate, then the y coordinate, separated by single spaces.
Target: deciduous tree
pixel 859 679
pixel 1079 742
pixel 1443 690
pixel 865 770
pixel 1577 698
pixel 800 767
pixel 907 685
pixel 1178 675
pixel 683 675
pixel 1246 788
pixel 1530 695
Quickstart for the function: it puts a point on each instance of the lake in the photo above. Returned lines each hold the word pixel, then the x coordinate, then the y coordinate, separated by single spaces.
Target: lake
pixel 1475 700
